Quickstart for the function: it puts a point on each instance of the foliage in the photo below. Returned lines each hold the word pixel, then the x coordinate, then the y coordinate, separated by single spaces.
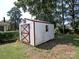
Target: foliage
pixel 42 9
pixel 8 36
pixel 54 11
pixel 77 27
pixel 15 15
pixel 66 30
pixel 69 13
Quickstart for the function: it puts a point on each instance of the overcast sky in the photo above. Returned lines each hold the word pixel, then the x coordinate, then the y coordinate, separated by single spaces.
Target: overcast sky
pixel 5 6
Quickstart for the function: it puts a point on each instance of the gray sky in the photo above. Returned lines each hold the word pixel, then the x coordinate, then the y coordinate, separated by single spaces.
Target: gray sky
pixel 5 6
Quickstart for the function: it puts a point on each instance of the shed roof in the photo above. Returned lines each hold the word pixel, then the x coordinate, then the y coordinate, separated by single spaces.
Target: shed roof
pixel 40 21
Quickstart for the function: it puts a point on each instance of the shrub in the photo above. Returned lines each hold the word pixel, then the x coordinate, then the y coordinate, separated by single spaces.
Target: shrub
pixel 77 31
pixel 65 30
pixel 57 31
pixel 8 36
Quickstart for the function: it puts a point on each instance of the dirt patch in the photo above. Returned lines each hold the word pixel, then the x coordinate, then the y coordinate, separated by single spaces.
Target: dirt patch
pixel 35 53
pixel 60 48
pixel 62 52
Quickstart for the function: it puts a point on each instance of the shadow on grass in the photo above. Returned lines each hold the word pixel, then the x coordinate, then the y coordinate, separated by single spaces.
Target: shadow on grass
pixel 6 42
pixel 64 39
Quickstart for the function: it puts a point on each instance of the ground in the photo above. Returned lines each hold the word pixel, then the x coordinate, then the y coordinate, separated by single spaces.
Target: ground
pixel 62 47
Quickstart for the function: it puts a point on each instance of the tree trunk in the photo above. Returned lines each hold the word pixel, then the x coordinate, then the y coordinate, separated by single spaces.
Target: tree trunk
pixel 63 16
pixel 73 15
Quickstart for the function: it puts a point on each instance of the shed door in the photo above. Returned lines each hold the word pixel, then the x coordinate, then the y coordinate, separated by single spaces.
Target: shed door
pixel 25 33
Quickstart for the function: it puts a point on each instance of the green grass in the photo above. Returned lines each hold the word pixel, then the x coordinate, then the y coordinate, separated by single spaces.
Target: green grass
pixel 12 51
pixel 20 51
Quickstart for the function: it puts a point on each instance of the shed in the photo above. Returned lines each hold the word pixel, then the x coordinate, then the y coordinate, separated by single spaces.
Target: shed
pixel 35 32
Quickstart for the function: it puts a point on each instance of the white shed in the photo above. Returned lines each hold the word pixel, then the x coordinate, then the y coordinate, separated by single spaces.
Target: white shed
pixel 35 32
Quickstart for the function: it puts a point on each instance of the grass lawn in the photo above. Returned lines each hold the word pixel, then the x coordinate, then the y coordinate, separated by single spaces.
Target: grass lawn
pixel 63 47
pixel 12 51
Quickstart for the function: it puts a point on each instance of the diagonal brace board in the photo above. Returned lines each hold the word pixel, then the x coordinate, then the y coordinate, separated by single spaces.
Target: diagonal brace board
pixel 25 32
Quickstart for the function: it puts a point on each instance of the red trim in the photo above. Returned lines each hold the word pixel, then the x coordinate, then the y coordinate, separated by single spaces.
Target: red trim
pixel 37 21
pixel 28 33
pixel 34 33
pixel 25 33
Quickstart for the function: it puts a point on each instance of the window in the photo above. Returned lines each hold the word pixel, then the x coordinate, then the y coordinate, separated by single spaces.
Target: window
pixel 46 28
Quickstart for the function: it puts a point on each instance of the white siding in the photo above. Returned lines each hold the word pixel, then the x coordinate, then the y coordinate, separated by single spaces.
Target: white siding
pixel 41 35
pixel 31 31
pixel 40 32
pixel 20 31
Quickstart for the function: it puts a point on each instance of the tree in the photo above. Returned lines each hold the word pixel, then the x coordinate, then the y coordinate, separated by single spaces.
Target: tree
pixel 60 13
pixel 54 11
pixel 74 8
pixel 15 15
pixel 69 10
pixel 63 16
pixel 42 9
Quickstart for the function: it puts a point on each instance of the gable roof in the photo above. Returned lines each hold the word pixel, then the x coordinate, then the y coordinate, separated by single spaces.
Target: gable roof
pixel 40 21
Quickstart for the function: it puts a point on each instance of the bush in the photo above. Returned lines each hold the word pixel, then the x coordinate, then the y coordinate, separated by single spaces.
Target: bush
pixel 77 31
pixel 8 36
pixel 65 30
pixel 57 31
